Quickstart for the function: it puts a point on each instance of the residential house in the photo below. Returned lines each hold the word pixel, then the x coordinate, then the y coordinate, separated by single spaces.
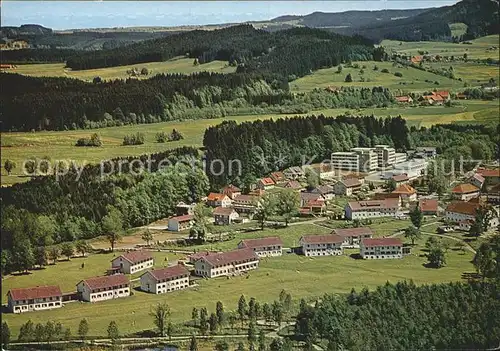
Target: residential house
pixel 465 192
pixel 313 207
pixel 182 209
pixel 133 262
pixel 263 247
pixel 245 203
pixel 347 187
pixel 401 179
pixel 104 288
pixel 491 176
pixel 226 263
pixel 381 248
pixel 327 192
pixel 321 245
pixel 404 99
pixel 278 177
pixel 353 236
pixel 225 215
pixel 444 94
pixel 294 173
pixel 265 183
pixel 383 196
pixel 416 59
pixel 407 193
pixel 429 152
pixel 218 200
pixel 163 280
pixel 306 197
pixel 477 180
pixel 40 298
pixel 428 206
pixel 372 209
pixel 231 191
pixel 180 223
pixel 493 194
pixel 293 184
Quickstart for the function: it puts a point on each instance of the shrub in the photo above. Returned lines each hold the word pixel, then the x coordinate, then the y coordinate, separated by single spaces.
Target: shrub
pixel 94 140
pixel 133 139
pixel 398 74
pixel 384 70
pixel 348 78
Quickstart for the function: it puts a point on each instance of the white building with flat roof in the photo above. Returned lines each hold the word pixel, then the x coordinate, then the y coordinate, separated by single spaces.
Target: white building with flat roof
pixel 386 156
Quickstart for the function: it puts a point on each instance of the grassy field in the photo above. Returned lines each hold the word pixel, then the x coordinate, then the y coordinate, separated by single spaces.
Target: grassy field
pixel 178 65
pixel 300 276
pixel 412 80
pixel 61 145
pixel 477 50
pixel 470 72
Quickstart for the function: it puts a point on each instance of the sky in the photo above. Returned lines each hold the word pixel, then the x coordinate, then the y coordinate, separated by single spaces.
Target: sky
pixel 100 14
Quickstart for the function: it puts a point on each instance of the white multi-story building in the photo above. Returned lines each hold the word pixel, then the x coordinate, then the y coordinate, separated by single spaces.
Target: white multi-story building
pixel 345 160
pixel 34 299
pixel 104 288
pixel 226 263
pixel 368 159
pixel 372 208
pixel 386 155
pixel 163 280
pixel 321 245
pixel 381 248
pixel 353 236
pixel 413 168
pixel 180 223
pixel 263 247
pixel 132 262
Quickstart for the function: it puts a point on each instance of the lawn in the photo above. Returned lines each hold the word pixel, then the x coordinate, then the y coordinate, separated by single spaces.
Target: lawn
pixel 300 276
pixel 60 145
pixel 477 50
pixel 470 72
pixel 176 65
pixel 412 80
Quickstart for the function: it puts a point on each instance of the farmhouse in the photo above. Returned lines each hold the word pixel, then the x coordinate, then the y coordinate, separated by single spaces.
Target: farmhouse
pixel 404 99
pixel 104 288
pixel 231 191
pixel 428 206
pixel 347 187
pixel 263 247
pixel 353 236
pixel 406 192
pixel 225 215
pixel 293 172
pixel 34 299
pixel 216 200
pixel 164 280
pixel 321 245
pixel 180 223
pixel 265 183
pixel 372 209
pixel 381 248
pixel 133 262
pixel 465 192
pixel 245 203
pixel 226 263
pixel 278 177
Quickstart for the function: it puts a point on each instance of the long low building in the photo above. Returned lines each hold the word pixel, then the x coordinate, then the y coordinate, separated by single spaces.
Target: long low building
pixel 263 247
pixel 226 263
pixel 321 245
pixel 159 281
pixel 34 299
pixel 133 262
pixel 353 236
pixel 104 288
pixel 381 248
pixel 372 209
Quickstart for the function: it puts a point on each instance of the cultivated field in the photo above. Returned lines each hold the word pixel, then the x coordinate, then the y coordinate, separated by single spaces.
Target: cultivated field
pixel 300 276
pixel 61 145
pixel 177 65
pixel 470 72
pixel 477 50
pixel 412 80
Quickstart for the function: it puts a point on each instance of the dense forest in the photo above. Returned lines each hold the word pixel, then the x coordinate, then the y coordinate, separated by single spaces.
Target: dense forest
pixel 406 317
pixel 266 146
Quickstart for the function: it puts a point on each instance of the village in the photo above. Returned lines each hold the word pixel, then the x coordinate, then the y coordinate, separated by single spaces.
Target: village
pixel 374 183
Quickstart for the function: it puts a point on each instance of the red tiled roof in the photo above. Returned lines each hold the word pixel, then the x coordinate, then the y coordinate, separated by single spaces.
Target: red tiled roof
pixel 465 188
pixel 278 176
pixel 428 205
pixel 402 98
pixel 106 281
pixel 260 242
pixel 225 258
pixel 468 208
pixel 38 292
pixel 315 203
pixel 405 189
pixel 198 255
pixel 305 196
pixel 293 184
pixel 223 211
pixel 231 188
pixel 183 218
pixel 169 272
pixel 351 182
pixel 322 239
pixel 400 177
pixel 489 172
pixel 382 242
pixel 216 197
pixel 136 256
pixel 267 181
pixel 363 205
pixel 353 231
pixel 443 93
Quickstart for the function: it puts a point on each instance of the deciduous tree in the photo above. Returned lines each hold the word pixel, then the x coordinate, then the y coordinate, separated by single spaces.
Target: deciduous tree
pixel 160 314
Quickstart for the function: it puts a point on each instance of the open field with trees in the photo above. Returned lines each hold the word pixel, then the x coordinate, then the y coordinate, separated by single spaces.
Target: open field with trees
pixel 177 65
pixel 60 145
pixel 477 50
pixel 299 276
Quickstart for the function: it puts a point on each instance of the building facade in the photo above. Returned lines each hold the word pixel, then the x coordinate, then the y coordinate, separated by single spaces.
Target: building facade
pixel 225 215
pixel 226 263
pixel 218 200
pixel 381 248
pixel 321 245
pixel 133 262
pixel 160 281
pixel 263 247
pixel 386 156
pixel 353 236
pixel 34 299
pixel 180 223
pixel 103 288
pixel 347 187
pixel 465 192
pixel 372 209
